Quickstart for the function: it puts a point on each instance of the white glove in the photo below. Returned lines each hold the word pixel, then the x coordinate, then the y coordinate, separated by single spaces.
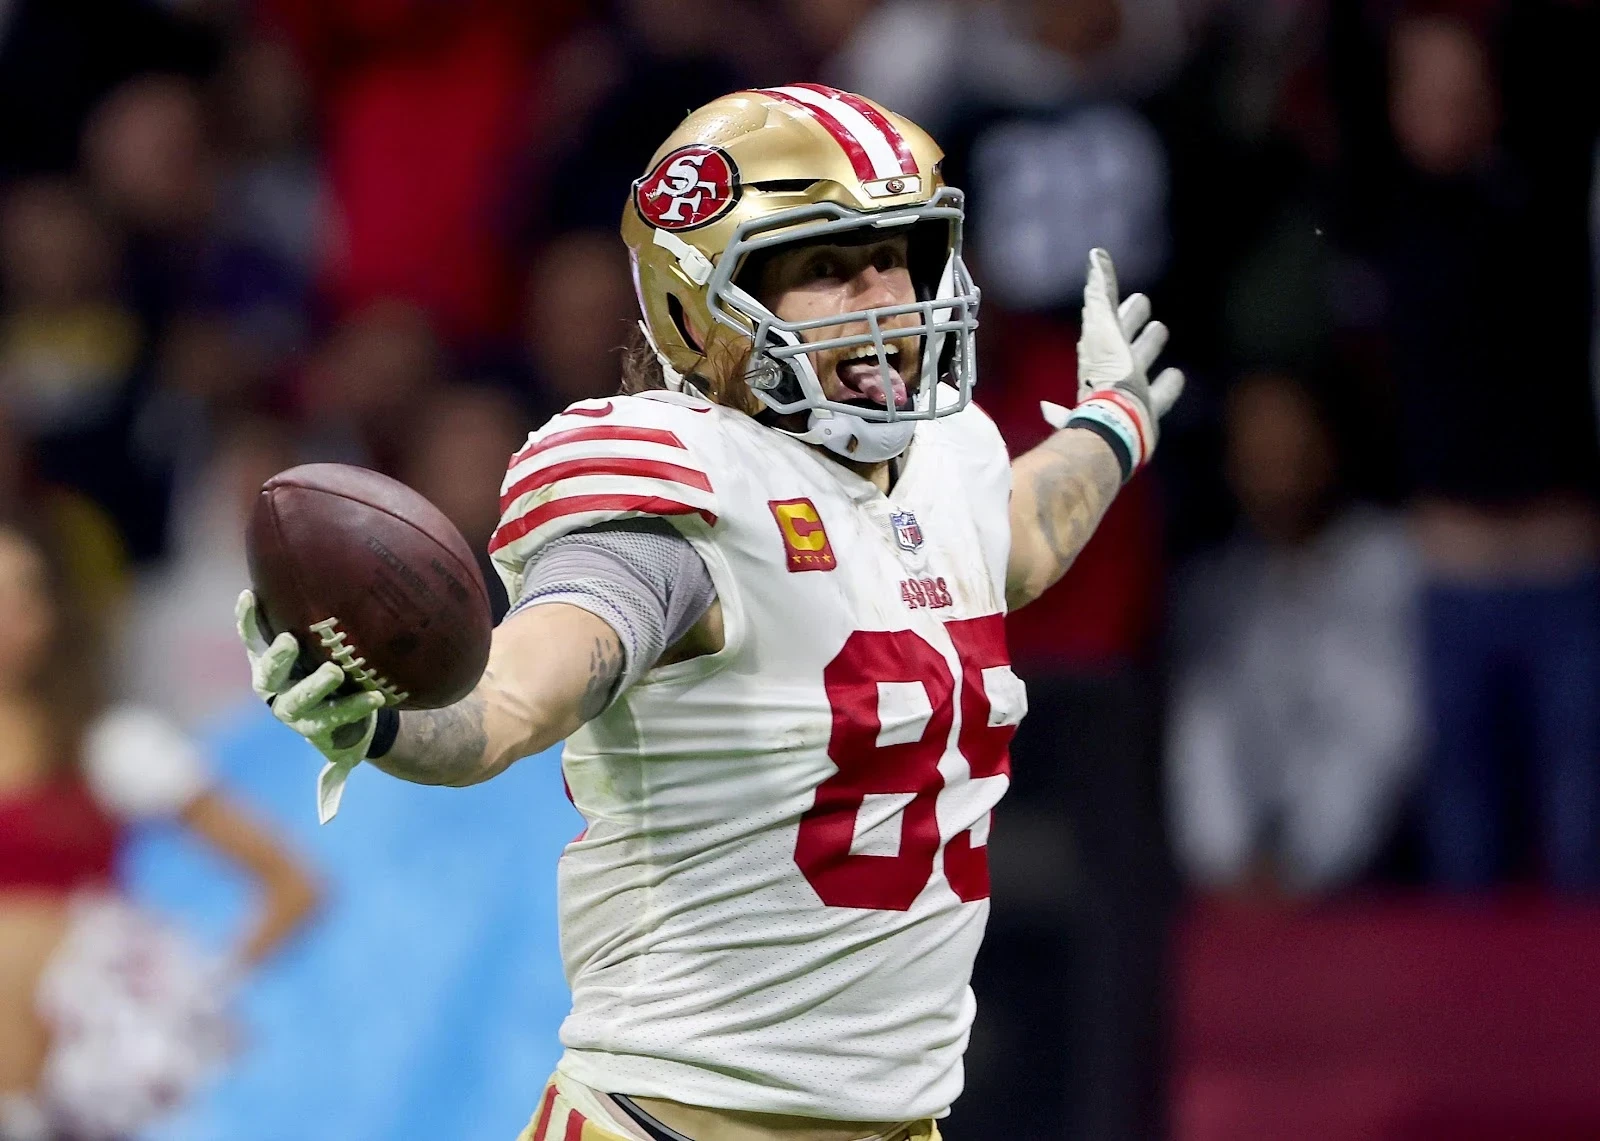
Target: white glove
pixel 341 728
pixel 1116 398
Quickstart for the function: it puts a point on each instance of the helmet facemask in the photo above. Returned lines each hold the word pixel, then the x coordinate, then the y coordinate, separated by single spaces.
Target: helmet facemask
pixel 780 371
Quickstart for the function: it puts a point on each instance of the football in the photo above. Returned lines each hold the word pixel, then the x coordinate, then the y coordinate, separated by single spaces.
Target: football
pixel 367 573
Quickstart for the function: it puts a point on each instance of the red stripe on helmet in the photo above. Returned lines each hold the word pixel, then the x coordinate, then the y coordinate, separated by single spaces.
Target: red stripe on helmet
pixel 902 149
pixel 859 159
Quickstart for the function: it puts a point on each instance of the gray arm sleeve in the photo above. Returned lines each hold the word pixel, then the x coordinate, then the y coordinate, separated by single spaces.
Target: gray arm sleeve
pixel 639 576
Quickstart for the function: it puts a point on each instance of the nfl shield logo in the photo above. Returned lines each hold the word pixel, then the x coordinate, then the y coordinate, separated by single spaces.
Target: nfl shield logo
pixel 907 531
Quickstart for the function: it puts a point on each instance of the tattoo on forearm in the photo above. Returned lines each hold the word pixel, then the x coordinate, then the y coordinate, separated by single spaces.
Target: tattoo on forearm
pixel 605 664
pixel 1071 486
pixel 440 746
pixel 1070 502
pixel 451 745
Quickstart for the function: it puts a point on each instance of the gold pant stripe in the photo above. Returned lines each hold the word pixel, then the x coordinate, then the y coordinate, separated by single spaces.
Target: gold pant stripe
pixel 557 1119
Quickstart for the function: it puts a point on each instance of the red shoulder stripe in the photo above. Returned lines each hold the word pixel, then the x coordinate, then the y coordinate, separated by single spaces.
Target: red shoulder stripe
pixel 575 1122
pixel 598 413
pixel 605 432
pixel 577 504
pixel 603 465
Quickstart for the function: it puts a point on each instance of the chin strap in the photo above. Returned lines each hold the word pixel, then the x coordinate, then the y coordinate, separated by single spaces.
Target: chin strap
pixel 674 378
pixel 847 436
pixel 852 438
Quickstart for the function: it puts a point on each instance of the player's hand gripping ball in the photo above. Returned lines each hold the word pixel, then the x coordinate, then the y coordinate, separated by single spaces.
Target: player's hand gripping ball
pixel 370 576
pixel 364 596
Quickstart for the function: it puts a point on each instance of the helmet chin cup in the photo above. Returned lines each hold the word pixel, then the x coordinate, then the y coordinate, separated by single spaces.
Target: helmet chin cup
pixel 852 438
pixel 847 436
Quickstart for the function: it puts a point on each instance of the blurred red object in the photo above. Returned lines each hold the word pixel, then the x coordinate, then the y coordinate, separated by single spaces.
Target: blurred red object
pixel 1104 611
pixel 422 107
pixel 56 838
pixel 1388 1020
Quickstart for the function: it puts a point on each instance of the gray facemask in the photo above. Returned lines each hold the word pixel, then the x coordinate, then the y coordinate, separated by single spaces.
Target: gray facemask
pixel 781 373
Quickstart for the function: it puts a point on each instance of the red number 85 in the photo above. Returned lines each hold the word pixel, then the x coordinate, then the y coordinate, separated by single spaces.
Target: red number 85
pixel 822 850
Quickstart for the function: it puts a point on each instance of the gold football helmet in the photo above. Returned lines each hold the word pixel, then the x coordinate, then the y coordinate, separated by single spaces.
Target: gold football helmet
pixel 762 169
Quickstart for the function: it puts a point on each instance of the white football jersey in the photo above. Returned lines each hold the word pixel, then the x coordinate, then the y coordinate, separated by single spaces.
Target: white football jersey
pixel 784 881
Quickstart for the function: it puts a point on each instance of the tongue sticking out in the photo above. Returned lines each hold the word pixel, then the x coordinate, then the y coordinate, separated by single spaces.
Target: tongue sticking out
pixel 864 380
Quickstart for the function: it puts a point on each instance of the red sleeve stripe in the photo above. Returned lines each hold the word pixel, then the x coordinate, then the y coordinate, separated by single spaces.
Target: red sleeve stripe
pixel 902 149
pixel 541 1124
pixel 516 528
pixel 603 465
pixel 575 1122
pixel 598 432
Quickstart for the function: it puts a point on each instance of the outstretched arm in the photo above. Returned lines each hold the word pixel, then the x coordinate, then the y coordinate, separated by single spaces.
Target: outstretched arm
pixel 287 894
pixel 598 609
pixel 1061 489
pixel 551 668
pixel 1059 492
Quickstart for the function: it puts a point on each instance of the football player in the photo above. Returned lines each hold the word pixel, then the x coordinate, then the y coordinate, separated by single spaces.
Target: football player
pixel 760 595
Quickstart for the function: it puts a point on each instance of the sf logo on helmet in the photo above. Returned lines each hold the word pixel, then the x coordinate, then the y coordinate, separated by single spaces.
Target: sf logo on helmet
pixel 690 187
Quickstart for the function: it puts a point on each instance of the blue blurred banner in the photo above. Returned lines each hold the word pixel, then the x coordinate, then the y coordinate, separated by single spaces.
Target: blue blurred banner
pixel 426 998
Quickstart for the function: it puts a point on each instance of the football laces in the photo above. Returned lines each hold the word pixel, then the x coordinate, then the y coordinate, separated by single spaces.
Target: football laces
pixel 337 643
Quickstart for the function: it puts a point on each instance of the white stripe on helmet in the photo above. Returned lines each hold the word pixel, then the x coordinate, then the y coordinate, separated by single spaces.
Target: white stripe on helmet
pixel 885 159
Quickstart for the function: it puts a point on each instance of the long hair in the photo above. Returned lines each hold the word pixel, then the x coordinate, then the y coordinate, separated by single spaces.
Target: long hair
pixel 67 684
pixel 721 379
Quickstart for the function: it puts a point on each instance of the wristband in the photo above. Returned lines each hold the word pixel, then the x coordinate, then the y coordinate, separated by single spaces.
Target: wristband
pixel 383 735
pixel 1114 441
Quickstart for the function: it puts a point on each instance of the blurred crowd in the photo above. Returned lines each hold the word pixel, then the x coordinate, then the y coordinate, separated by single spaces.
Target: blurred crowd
pixel 1345 633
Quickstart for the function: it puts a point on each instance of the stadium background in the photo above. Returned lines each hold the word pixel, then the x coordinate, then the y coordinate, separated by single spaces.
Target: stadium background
pixel 1306 818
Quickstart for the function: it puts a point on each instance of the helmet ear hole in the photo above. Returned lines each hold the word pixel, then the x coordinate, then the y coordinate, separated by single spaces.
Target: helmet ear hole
pixel 680 322
pixel 788 388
